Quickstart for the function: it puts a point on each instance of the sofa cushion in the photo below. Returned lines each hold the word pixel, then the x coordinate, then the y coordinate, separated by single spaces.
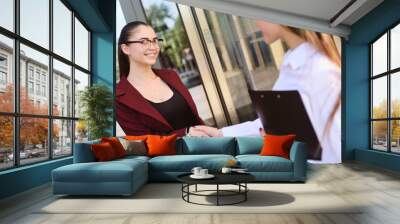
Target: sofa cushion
pixel 112 171
pixel 185 163
pixel 158 145
pixel 83 153
pixel 103 151
pixel 134 147
pixel 249 145
pixel 277 145
pixel 257 163
pixel 132 158
pixel 202 145
pixel 116 145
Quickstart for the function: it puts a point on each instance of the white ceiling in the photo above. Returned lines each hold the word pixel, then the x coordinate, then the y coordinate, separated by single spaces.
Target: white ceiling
pixel 317 15
pixel 321 9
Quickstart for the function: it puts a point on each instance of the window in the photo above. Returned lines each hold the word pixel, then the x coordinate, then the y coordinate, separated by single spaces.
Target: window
pixel 3 61
pixel 6 89
pixel 37 74
pixel 38 89
pixel 62 74
pixel 62 29
pixel 81 81
pixel 53 125
pixel 385 94
pixel 30 87
pixel 43 90
pixel 81 45
pixel 34 21
pixel 3 72
pixel 7 14
pixel 30 72
pixel 3 77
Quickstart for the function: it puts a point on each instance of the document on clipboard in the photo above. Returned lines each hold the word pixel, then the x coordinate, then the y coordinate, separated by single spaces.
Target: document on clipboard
pixel 282 113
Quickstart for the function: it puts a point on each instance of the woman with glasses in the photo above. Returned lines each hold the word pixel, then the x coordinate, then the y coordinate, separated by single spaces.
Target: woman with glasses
pixel 148 100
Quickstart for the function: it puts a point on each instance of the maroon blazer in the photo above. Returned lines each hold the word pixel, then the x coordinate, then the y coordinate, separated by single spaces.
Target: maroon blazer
pixel 137 116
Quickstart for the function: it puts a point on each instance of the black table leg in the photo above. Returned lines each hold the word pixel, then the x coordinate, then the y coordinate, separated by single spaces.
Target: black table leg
pixel 217 194
pixel 245 193
pixel 188 189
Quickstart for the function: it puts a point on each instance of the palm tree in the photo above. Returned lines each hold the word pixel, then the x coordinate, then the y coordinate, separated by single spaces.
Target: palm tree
pixel 156 15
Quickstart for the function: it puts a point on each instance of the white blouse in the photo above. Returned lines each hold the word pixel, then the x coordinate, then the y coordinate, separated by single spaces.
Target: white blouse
pixel 318 81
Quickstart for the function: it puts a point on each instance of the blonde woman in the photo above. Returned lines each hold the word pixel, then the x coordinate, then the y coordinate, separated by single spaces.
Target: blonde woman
pixel 312 67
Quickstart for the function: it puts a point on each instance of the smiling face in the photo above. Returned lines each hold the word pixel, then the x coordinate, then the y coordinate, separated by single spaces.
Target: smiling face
pixel 270 31
pixel 141 53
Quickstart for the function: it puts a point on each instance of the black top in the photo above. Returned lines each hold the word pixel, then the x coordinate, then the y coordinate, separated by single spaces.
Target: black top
pixel 176 111
pixel 220 178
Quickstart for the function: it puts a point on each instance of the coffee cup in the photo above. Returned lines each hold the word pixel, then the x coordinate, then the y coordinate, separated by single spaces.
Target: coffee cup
pixel 203 172
pixel 196 171
pixel 226 170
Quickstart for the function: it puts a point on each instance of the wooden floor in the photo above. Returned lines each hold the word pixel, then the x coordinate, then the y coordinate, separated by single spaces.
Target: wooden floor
pixel 378 188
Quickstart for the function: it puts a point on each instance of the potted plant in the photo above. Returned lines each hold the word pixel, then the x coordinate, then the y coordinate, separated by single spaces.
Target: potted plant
pixel 96 102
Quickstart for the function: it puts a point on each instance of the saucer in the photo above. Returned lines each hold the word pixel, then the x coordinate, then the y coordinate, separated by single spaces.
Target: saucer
pixel 208 176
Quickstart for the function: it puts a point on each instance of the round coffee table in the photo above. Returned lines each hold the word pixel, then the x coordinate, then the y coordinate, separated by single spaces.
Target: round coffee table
pixel 238 179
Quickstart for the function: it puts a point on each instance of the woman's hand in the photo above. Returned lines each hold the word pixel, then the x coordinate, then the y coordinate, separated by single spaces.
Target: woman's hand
pixel 262 132
pixel 193 132
pixel 209 131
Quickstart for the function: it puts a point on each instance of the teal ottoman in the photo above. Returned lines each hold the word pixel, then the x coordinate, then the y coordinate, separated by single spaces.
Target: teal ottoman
pixel 118 177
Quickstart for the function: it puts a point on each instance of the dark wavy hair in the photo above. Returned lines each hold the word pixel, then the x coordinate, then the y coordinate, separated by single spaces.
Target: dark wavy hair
pixel 123 60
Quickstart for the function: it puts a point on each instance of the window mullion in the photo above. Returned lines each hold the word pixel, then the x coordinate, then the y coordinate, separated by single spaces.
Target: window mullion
pixel 73 83
pixel 16 84
pixel 389 113
pixel 50 81
pixel 371 99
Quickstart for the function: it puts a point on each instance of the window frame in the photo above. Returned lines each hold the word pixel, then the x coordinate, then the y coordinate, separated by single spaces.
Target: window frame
pixel 16 114
pixel 388 74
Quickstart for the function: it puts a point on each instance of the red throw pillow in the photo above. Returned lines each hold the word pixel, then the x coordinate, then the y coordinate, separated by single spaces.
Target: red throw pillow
pixel 103 151
pixel 161 145
pixel 116 145
pixel 277 145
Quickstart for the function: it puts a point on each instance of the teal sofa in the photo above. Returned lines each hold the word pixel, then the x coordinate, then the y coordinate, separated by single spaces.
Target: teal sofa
pixel 125 176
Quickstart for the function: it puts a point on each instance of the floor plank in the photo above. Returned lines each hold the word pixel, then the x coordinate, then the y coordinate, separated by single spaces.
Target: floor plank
pixel 377 189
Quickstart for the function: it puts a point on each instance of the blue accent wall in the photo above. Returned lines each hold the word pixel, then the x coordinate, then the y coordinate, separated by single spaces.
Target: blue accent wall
pixel 104 51
pixel 24 178
pixel 356 85
pixel 99 16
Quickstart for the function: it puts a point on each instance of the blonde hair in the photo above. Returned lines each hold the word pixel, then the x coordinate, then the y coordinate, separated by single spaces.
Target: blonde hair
pixel 322 41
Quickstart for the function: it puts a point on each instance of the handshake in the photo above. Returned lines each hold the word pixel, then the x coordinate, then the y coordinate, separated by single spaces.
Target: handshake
pixel 204 131
pixel 207 131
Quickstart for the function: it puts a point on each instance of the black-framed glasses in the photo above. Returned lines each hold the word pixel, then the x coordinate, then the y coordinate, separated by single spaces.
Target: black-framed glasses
pixel 157 42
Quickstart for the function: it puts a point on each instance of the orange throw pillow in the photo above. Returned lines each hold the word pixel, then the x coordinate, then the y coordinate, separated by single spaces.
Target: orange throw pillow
pixel 161 145
pixel 277 145
pixel 103 151
pixel 139 137
pixel 116 145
